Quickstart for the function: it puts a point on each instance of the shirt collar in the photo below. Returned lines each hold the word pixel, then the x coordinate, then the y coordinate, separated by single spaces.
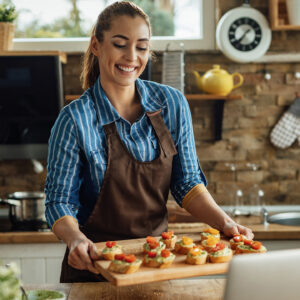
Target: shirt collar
pixel 108 114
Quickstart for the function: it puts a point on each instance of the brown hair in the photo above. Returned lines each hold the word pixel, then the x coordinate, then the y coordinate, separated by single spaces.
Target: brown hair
pixel 90 70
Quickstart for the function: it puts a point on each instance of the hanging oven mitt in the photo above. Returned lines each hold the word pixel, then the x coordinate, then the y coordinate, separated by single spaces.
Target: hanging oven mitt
pixel 287 130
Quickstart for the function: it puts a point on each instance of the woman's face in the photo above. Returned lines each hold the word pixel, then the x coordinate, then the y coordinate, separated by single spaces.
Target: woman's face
pixel 124 51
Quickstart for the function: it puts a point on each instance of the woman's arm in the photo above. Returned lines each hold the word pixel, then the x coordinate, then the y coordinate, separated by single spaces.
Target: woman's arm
pixel 82 250
pixel 202 206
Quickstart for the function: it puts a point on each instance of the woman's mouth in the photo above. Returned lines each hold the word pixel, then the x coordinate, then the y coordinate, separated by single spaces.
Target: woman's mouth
pixel 125 68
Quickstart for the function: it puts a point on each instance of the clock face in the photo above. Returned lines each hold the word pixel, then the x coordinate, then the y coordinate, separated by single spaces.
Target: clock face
pixel 245 34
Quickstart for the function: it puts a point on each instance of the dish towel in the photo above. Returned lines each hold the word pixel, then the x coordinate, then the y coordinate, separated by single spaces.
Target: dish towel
pixel 287 130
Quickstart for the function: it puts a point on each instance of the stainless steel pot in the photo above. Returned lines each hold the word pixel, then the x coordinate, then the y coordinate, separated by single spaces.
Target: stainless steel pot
pixel 26 206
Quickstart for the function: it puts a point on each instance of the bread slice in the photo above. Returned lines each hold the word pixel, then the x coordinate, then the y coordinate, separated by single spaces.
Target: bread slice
pixel 155 263
pixel 170 243
pixel 196 260
pixel 243 250
pixel 183 249
pixel 110 255
pixel 221 258
pixel 124 267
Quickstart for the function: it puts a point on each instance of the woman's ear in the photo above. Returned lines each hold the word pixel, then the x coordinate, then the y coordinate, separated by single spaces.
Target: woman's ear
pixel 95 46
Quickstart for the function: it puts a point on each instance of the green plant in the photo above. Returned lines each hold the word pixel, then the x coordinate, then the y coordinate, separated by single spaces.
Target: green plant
pixel 7 13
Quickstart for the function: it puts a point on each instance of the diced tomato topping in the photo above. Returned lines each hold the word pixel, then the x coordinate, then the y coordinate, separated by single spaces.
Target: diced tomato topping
pixel 238 238
pixel 150 239
pixel 154 245
pixel 165 253
pixel 130 258
pixel 151 254
pixel 167 235
pixel 256 245
pixel 110 244
pixel 120 256
pixel 248 242
pixel 218 247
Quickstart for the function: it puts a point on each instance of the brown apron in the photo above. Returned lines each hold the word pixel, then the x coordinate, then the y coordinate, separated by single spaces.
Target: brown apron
pixel 133 196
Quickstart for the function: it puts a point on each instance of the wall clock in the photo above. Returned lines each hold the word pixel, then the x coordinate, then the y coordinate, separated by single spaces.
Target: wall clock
pixel 243 34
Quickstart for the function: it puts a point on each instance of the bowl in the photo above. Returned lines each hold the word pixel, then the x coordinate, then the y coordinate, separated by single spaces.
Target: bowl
pixel 45 295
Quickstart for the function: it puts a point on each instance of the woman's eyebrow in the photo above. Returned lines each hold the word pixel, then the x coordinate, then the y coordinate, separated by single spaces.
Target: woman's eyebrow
pixel 126 38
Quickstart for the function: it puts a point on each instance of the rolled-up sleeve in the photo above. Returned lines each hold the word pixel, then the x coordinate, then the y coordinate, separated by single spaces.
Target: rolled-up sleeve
pixel 63 182
pixel 186 172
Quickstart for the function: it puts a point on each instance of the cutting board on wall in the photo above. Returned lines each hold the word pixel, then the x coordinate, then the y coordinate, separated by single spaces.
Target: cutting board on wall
pixel 179 269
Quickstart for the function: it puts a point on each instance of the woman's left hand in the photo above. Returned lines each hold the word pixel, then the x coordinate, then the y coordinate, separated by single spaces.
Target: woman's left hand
pixel 233 228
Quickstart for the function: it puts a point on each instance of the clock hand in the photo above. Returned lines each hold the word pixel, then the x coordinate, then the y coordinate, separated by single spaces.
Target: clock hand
pixel 241 38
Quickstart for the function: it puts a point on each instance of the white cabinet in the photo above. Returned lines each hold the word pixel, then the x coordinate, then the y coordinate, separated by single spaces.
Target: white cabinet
pixel 39 263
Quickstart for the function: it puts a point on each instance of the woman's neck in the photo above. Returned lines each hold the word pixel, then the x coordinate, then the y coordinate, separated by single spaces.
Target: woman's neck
pixel 125 100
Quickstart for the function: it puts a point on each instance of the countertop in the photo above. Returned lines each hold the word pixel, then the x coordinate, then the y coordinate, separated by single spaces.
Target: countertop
pixel 261 232
pixel 202 289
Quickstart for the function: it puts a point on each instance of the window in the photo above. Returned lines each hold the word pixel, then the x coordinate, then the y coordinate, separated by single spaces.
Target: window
pixel 41 25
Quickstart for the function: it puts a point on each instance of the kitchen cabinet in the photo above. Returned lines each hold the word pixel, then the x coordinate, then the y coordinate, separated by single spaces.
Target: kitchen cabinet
pixel 279 17
pixel 40 263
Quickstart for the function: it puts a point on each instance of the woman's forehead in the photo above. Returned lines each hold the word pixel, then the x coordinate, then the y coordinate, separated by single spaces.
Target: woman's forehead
pixel 131 27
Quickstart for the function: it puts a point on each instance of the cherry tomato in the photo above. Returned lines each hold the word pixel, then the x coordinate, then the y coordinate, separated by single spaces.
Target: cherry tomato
pixel 120 256
pixel 248 242
pixel 151 254
pixel 110 244
pixel 130 258
pixel 237 238
pixel 256 245
pixel 167 235
pixel 218 247
pixel 165 253
pixel 154 245
pixel 150 239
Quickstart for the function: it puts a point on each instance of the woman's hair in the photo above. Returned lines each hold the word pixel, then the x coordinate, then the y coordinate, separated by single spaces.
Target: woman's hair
pixel 90 69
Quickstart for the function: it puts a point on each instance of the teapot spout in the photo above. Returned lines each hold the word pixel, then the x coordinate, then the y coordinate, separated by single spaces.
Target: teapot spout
pixel 198 80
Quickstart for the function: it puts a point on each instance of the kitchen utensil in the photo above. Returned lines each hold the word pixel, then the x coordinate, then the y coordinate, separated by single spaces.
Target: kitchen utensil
pixel 217 81
pixel 26 206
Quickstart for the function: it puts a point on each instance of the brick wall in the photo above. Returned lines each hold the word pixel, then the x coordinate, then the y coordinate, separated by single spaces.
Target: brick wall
pixel 246 125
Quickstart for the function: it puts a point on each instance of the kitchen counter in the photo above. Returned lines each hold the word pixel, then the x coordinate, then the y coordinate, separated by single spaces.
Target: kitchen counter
pixel 262 232
pixel 203 289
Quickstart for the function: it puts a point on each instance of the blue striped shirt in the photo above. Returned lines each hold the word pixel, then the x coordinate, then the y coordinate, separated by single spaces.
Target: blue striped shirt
pixel 77 155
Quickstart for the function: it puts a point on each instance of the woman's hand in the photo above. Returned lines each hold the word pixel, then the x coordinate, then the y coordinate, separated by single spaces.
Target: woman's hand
pixel 82 253
pixel 232 228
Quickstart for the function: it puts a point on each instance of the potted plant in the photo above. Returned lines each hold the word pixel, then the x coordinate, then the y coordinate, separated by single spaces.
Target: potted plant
pixel 7 16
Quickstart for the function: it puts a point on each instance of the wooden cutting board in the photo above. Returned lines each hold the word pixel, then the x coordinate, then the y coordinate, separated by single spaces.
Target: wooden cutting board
pixel 179 269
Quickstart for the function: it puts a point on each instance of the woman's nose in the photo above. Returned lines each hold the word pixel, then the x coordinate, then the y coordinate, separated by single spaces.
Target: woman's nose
pixel 131 54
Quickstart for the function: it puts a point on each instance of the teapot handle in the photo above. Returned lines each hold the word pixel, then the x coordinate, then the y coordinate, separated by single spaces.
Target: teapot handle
pixel 241 80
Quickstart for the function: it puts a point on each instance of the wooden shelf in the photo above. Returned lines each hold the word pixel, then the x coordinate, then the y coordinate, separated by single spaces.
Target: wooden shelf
pixel 201 97
pixel 279 17
pixel 62 55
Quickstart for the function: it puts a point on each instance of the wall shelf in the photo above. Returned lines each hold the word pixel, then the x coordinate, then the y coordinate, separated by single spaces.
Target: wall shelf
pixel 202 97
pixel 279 17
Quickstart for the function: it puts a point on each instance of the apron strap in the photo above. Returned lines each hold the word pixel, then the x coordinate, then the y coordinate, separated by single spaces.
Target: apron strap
pixel 110 129
pixel 162 133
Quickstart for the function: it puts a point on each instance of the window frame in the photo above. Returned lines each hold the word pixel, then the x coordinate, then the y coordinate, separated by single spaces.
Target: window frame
pixel 69 45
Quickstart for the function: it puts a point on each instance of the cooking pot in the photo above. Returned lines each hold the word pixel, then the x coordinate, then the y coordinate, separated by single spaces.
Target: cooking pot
pixel 26 206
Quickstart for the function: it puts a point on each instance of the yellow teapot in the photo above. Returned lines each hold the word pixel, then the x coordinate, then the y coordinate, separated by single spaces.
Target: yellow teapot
pixel 217 81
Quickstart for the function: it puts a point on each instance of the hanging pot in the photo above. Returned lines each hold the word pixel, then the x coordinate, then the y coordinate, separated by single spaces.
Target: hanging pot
pixel 26 207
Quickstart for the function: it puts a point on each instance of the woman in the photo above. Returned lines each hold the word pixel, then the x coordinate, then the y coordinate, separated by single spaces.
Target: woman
pixel 115 152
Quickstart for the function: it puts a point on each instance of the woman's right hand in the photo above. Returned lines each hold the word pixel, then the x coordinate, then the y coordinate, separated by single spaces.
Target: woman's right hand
pixel 82 253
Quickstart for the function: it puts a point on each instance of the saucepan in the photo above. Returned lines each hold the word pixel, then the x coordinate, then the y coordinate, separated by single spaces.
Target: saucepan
pixel 26 206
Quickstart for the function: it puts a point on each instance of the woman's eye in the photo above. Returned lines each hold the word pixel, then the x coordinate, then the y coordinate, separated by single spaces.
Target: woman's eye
pixel 119 46
pixel 142 49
